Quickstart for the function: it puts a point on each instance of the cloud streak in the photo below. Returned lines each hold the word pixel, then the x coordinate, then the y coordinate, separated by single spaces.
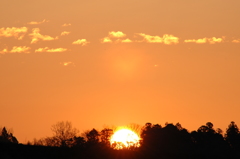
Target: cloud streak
pixel 17 49
pixel 66 24
pixel 236 41
pixel 126 41
pixel 36 36
pixel 3 51
pixel 46 49
pixel 116 34
pixel 65 33
pixel 106 40
pixel 20 49
pixel 67 63
pixel 123 41
pixel 212 40
pixel 36 23
pixel 166 39
pixel 82 42
pixel 13 32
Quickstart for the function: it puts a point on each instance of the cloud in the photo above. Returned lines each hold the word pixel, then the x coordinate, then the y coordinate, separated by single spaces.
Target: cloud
pixel 114 34
pixel 169 39
pixel 82 42
pixel 198 41
pixel 106 40
pixel 166 39
pixel 65 33
pixel 117 34
pixel 123 41
pixel 21 37
pixel 20 49
pixel 46 49
pixel 66 24
pixel 212 40
pixel 13 32
pixel 126 41
pixel 36 36
pixel 42 49
pixel 236 41
pixel 67 63
pixel 3 51
pixel 57 50
pixel 17 49
pixel 151 39
pixel 35 23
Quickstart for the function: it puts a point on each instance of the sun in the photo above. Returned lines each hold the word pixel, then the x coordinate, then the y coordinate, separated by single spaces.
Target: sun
pixel 124 138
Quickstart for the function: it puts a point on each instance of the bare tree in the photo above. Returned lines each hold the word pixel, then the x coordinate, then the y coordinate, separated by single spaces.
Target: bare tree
pixel 63 134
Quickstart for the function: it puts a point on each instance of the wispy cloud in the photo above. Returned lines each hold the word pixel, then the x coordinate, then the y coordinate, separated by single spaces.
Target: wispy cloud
pixel 106 40
pixel 170 39
pixel 212 40
pixel 20 49
pixel 36 36
pixel 65 33
pixel 151 39
pixel 67 63
pixel 123 41
pixel 42 49
pixel 198 41
pixel 46 49
pixel 66 24
pixel 35 22
pixel 82 42
pixel 126 41
pixel 57 50
pixel 13 32
pixel 116 34
pixel 3 51
pixel 236 41
pixel 166 39
pixel 17 49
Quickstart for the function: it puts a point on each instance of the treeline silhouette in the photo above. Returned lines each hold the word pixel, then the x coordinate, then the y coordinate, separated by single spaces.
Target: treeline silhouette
pixel 164 142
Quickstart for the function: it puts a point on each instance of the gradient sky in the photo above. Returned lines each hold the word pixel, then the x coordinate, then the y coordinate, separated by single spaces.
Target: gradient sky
pixel 113 62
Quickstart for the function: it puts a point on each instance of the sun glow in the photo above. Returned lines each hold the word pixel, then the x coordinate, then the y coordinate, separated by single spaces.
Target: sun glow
pixel 124 138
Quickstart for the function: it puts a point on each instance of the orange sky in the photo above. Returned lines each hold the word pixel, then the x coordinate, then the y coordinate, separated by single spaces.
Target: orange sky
pixel 98 63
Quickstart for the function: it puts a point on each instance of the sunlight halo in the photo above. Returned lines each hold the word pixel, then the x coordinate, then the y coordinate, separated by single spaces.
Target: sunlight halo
pixel 124 138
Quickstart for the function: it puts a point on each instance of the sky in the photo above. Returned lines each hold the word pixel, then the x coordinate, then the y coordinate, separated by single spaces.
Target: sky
pixel 112 63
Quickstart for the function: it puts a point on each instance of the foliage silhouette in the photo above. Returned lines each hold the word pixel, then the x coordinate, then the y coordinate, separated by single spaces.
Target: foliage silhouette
pixel 7 137
pixel 168 142
pixel 64 134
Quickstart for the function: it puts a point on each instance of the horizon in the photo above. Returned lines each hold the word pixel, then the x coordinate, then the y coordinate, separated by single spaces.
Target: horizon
pixel 118 62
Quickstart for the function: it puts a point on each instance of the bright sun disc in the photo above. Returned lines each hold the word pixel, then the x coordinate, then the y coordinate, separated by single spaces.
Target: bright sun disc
pixel 124 138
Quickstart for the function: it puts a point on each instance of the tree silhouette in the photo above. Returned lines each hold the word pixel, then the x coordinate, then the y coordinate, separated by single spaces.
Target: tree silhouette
pixel 63 134
pixel 209 142
pixel 93 136
pixel 106 135
pixel 169 141
pixel 7 137
pixel 232 136
pixel 151 136
pixel 78 142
